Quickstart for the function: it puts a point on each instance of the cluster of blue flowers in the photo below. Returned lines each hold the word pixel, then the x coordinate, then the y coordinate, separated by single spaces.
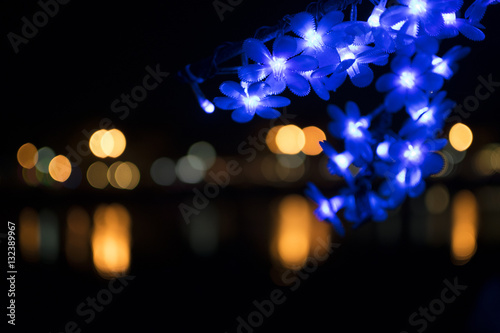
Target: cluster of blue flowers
pixel 381 165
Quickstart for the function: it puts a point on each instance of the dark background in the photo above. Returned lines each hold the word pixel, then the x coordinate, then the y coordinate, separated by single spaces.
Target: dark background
pixel 64 80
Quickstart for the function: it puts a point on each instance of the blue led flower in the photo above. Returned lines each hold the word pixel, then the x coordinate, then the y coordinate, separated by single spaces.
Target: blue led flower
pixel 316 39
pixel 453 25
pixel 354 62
pixel 477 10
pixel 364 205
pixel 430 117
pixel 409 82
pixel 353 129
pixel 447 65
pixel 415 160
pixel 421 15
pixel 320 85
pixel 327 208
pixel 247 100
pixel 372 32
pixel 281 68
pixel 338 164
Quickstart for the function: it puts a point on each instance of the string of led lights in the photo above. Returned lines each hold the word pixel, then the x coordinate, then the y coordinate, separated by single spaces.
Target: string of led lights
pixel 316 50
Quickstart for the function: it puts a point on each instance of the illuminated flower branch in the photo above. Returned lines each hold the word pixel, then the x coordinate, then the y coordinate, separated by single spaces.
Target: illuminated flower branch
pixel 318 48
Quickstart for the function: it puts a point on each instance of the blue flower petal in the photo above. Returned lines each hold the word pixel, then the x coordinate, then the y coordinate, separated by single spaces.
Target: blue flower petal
pixel 476 11
pixel 320 89
pixel 327 56
pixel 232 89
pixel 276 86
pixel 297 84
pixel 344 65
pixel 421 62
pixel 227 103
pixel 470 31
pixel 386 82
pixel 336 128
pixel 253 72
pixel 363 77
pixel 427 45
pixel 433 23
pixel 352 110
pixel 433 164
pixel 256 50
pixel 394 15
pixel 430 82
pixel 335 81
pixel 416 99
pixel 259 89
pixel 417 190
pixel 328 21
pixel 394 100
pixel 384 41
pixel 267 113
pixel 241 115
pixel 337 225
pixel 446 6
pixel 302 63
pixel 324 71
pixel 275 101
pixel 301 23
pixel 284 47
pixel 336 113
pixel 400 63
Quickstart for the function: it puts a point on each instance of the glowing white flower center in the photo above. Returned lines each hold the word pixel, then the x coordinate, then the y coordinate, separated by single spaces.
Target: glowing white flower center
pixel 345 53
pixel 417 7
pixel 313 39
pixel 353 128
pixel 449 18
pixel 325 209
pixel 278 65
pixel 426 117
pixel 412 153
pixel 407 79
pixel 251 103
pixel 374 19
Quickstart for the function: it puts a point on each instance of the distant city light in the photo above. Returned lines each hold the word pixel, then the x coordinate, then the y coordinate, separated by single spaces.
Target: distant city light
pixel 27 155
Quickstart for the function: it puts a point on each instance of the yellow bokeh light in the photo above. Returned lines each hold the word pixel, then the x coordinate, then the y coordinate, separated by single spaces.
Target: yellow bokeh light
pixel 464 227
pixel 60 168
pixel 460 137
pixel 313 137
pixel 29 234
pixel 119 143
pixel 27 155
pixel 95 144
pixel 111 240
pixel 127 175
pixel 294 231
pixel 290 139
pixel 110 143
pixel 97 175
pixel 271 139
pixel 111 174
